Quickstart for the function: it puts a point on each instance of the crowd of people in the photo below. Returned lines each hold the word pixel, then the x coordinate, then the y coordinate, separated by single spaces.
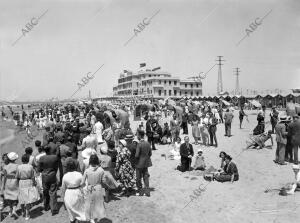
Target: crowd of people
pixel 88 152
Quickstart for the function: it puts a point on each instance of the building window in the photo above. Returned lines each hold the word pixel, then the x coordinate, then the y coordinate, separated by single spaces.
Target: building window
pixel 165 91
pixel 191 85
pixel 185 85
pixel 149 75
pixel 165 82
pixel 197 85
pixel 175 83
pixel 192 93
pixel 159 92
pixel 169 82
pixel 185 93
pixel 159 82
pixel 170 92
pixel 175 92
pixel 197 93
pixel 180 93
pixel 151 92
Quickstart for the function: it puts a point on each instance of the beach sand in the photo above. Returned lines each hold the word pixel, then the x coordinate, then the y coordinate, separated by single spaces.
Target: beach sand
pixel 242 201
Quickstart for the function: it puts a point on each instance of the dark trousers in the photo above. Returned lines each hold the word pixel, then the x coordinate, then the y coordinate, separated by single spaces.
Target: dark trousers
pixel 184 126
pixel 221 117
pixel 241 121
pixel 289 151
pixel 50 195
pixel 151 140
pixel 295 150
pixel 280 153
pixel 185 164
pixel 142 173
pixel 228 129
pixel 273 127
pixel 213 136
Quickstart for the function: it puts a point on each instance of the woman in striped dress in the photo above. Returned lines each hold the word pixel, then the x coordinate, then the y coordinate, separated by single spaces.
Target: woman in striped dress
pixel 28 193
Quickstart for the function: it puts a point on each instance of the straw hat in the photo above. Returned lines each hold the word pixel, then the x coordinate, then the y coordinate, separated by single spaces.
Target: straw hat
pixel 200 150
pixel 12 156
pixel 123 142
pixel 86 153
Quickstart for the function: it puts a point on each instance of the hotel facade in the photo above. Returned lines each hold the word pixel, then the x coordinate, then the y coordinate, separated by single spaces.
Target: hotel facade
pixel 156 84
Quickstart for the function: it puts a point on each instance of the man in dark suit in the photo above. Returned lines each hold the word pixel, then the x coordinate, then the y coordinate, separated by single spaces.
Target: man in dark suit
pixel 48 166
pixel 186 153
pixel 143 155
pixel 151 130
pixel 294 130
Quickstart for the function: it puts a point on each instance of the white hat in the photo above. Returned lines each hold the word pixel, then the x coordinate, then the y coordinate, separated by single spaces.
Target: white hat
pixel 297 167
pixel 123 142
pixel 86 153
pixel 200 150
pixel 12 156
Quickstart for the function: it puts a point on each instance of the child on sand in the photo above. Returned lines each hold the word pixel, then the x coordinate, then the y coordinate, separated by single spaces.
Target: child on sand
pixel 199 162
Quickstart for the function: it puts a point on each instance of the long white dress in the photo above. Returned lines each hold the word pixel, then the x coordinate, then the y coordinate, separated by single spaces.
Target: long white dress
pixel 98 128
pixel 74 196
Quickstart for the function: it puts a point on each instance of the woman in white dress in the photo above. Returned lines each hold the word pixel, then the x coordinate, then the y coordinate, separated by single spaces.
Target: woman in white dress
pixel 93 177
pixel 72 193
pixel 175 152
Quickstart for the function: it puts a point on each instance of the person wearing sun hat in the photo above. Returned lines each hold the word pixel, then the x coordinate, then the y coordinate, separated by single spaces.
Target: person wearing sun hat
pixel 199 161
pixel 281 139
pixel 11 189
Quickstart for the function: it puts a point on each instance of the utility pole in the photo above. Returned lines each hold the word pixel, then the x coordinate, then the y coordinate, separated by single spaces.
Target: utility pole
pixel 237 82
pixel 220 81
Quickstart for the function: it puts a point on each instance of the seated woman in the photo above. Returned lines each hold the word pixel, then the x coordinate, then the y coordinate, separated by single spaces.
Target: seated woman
pixel 296 184
pixel 230 172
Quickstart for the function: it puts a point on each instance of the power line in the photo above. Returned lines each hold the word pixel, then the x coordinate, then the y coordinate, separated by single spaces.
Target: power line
pixel 220 81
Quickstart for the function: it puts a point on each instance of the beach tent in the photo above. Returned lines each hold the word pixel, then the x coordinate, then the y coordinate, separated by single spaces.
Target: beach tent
pixel 255 103
pixel 292 109
pixel 226 103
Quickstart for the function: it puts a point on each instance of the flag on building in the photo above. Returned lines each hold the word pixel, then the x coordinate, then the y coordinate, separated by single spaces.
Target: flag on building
pixel 142 64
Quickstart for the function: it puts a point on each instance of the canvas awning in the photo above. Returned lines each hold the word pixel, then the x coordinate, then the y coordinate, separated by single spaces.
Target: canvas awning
pixel 255 103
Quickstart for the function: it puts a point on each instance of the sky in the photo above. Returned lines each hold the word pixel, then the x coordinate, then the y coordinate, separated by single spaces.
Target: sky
pixel 74 37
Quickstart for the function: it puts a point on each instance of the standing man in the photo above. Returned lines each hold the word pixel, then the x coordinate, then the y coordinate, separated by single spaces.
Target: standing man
pixel 281 139
pixel 241 116
pixel 212 129
pixel 228 116
pixel 175 128
pixel 151 130
pixel 184 123
pixel 48 166
pixel 294 130
pixel 143 161
pixel 274 118
pixel 186 153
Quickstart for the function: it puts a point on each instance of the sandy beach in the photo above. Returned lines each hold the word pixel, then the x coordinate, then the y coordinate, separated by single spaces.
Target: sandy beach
pixel 242 201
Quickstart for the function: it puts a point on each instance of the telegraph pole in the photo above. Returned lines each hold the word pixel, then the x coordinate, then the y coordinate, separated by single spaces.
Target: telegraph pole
pixel 237 82
pixel 220 81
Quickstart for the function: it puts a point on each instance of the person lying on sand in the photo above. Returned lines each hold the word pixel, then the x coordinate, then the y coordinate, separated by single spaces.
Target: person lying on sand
pixel 258 141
